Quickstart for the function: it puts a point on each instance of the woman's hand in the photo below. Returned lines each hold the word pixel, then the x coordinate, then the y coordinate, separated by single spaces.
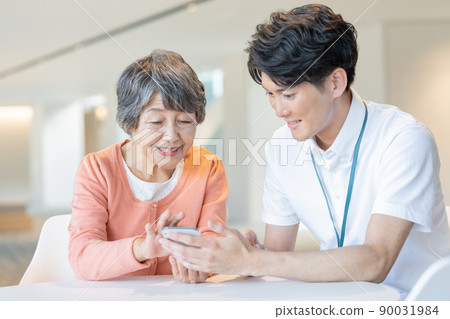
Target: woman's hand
pixel 183 274
pixel 137 152
pixel 149 247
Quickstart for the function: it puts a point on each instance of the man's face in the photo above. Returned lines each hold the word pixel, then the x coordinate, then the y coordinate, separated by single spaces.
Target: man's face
pixel 307 110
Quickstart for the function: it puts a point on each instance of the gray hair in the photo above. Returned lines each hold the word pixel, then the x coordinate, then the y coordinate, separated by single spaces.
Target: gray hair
pixel 163 72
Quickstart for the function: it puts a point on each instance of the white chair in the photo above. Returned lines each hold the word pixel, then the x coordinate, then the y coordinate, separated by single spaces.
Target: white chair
pixel 434 283
pixel 50 261
pixel 447 209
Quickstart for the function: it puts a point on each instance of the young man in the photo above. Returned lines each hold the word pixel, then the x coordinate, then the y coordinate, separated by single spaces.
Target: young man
pixel 369 187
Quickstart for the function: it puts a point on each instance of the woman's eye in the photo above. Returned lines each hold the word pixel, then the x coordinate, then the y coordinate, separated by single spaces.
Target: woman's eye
pixel 184 123
pixel 156 122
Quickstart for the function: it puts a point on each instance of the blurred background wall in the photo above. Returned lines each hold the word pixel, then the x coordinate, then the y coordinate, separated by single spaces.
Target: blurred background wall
pixel 59 66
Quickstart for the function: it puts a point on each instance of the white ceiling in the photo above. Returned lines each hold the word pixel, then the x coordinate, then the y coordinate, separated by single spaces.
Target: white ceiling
pixel 216 30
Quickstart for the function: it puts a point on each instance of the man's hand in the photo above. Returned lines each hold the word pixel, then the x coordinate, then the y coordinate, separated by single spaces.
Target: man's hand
pixel 252 238
pixel 230 254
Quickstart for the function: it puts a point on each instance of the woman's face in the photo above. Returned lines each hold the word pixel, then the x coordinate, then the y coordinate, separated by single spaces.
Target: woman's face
pixel 176 133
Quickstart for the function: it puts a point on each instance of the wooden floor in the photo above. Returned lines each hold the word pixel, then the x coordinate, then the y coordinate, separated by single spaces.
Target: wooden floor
pixel 15 221
pixel 17 245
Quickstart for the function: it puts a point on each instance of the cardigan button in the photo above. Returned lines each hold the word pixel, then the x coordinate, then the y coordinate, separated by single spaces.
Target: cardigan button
pixel 154 205
pixel 153 261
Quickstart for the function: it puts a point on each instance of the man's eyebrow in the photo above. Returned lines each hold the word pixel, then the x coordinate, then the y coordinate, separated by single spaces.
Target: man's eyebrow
pixel 282 89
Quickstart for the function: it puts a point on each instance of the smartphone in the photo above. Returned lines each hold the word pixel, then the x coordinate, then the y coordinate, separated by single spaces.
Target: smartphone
pixel 182 230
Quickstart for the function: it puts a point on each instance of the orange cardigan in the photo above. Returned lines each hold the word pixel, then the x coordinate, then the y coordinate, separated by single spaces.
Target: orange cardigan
pixel 107 218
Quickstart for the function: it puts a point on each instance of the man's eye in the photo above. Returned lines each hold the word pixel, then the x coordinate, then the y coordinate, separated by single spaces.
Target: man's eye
pixel 288 96
pixel 156 123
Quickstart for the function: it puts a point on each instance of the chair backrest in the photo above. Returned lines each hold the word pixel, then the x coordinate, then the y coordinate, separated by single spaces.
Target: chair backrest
pixel 447 209
pixel 50 261
pixel 434 283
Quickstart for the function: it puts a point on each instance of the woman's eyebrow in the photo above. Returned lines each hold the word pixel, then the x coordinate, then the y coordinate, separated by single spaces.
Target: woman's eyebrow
pixel 155 109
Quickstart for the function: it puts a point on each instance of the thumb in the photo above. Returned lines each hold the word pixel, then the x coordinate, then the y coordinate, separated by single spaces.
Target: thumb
pixel 148 229
pixel 220 228
pixel 251 236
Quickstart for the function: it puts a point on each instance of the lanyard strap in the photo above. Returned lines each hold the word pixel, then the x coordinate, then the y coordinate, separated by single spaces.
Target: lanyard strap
pixel 340 239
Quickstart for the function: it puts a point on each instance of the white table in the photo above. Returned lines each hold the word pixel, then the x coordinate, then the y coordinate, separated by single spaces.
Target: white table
pixel 218 288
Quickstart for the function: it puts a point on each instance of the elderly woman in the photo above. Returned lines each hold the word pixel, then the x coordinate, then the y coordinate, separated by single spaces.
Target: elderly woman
pixel 124 195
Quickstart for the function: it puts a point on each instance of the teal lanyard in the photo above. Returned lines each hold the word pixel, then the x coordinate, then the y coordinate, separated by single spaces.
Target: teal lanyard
pixel 340 239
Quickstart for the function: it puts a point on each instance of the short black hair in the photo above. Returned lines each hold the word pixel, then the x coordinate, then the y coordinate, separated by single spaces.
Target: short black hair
pixel 304 44
pixel 164 72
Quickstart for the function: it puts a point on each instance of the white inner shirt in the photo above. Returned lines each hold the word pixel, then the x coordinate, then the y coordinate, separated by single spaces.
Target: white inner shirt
pixel 397 174
pixel 147 191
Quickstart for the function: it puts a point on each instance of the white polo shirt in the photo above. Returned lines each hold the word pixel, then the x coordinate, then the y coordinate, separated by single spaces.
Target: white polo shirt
pixel 397 174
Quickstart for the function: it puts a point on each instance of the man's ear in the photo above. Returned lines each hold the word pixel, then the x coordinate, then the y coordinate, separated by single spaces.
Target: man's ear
pixel 338 82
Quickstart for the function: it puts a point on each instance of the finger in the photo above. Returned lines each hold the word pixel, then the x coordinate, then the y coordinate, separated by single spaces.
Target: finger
pixel 146 137
pixel 163 161
pixel 147 244
pixel 181 252
pixel 194 266
pixel 149 162
pixel 202 276
pixel 221 228
pixel 250 235
pixel 162 222
pixel 189 240
pixel 192 275
pixel 151 242
pixel 141 133
pixel 175 270
pixel 149 230
pixel 175 219
pixel 142 141
pixel 183 272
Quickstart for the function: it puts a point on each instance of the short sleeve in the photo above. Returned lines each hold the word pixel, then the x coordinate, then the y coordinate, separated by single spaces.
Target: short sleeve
pixel 277 209
pixel 409 177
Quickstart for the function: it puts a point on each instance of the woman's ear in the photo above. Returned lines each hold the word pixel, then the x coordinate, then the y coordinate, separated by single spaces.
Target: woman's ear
pixel 338 80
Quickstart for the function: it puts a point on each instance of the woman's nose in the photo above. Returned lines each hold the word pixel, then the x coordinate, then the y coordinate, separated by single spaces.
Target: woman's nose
pixel 170 133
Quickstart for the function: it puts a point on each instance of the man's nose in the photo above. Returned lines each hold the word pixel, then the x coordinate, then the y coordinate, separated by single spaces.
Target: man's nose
pixel 279 108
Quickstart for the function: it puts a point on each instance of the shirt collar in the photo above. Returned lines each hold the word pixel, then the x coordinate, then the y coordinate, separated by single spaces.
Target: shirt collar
pixel 345 142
